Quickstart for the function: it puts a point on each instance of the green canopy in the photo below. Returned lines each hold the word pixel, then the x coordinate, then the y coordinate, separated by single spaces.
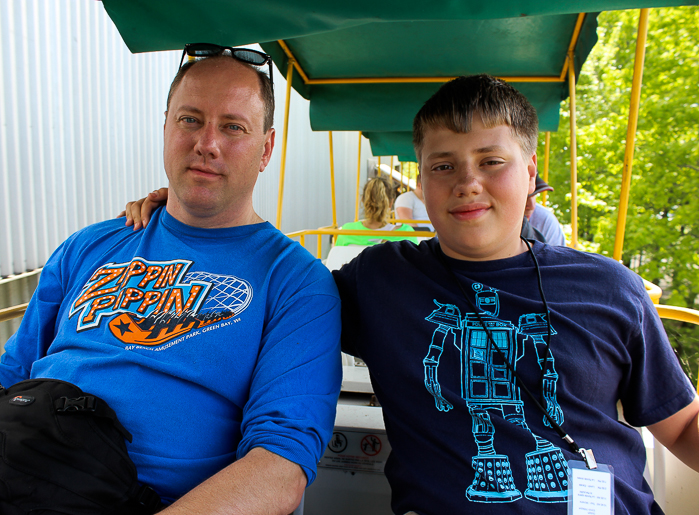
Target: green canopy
pixel 523 41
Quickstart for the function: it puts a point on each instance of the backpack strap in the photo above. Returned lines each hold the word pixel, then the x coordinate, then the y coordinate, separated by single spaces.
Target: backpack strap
pixel 89 404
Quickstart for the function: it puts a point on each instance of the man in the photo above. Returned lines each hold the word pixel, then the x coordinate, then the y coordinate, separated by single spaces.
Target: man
pixel 465 435
pixel 213 337
pixel 542 219
pixel 411 206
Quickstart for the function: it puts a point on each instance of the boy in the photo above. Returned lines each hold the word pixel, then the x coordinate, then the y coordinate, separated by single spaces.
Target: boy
pixel 465 436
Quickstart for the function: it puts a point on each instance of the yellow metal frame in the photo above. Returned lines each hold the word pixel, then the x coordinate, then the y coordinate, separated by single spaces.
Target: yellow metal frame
pixel 332 177
pixel 359 174
pixel 14 312
pixel 547 151
pixel 573 157
pixel 282 168
pixel 407 221
pixel 631 132
pixel 678 313
pixel 391 174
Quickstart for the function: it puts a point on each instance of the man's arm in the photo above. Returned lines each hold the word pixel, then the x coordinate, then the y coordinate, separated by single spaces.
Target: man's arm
pixel 680 434
pixel 404 213
pixel 39 323
pixel 259 483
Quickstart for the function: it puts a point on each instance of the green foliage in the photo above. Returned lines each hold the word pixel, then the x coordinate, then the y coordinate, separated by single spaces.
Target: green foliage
pixel 661 238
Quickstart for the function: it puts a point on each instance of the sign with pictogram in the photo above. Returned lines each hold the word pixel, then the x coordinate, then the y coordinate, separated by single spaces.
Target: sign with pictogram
pixel 338 443
pixel 356 451
pixel 371 445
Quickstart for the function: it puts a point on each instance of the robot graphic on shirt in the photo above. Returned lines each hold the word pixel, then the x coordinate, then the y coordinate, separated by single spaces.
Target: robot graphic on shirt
pixel 488 385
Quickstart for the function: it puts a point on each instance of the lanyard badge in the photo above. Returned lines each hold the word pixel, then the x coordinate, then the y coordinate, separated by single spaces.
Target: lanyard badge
pixel 590 490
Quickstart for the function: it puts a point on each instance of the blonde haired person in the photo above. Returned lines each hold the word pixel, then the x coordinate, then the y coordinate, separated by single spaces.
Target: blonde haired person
pixel 377 199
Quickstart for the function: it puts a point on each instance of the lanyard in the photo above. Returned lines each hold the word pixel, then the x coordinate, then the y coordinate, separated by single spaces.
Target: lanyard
pixel 586 454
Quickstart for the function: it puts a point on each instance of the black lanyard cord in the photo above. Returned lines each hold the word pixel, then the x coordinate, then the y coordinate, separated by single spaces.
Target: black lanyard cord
pixel 556 427
pixel 548 318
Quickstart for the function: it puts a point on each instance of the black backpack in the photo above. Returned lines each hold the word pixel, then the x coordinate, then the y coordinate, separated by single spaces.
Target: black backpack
pixel 63 453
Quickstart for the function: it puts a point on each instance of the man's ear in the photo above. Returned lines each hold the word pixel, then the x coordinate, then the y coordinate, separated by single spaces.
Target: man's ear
pixel 165 120
pixel 532 171
pixel 269 146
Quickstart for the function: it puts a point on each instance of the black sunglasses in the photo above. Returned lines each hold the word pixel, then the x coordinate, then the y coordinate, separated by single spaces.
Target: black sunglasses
pixel 245 55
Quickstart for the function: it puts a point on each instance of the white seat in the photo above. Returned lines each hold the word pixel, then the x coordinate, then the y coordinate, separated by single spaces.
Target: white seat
pixel 339 255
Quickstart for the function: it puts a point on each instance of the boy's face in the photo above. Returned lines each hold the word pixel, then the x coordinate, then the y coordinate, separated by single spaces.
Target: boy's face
pixel 475 187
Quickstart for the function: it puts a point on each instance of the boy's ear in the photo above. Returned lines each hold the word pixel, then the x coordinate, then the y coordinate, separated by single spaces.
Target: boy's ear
pixel 532 171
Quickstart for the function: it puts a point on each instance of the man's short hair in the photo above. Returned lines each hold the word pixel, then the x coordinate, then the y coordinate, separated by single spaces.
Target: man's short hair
pixel 266 89
pixel 454 104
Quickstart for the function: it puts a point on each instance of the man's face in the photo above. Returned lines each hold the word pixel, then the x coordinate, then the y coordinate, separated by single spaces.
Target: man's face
pixel 215 145
pixel 475 187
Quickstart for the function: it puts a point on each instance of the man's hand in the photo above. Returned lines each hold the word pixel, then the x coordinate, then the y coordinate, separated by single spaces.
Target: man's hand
pixel 138 212
pixel 261 483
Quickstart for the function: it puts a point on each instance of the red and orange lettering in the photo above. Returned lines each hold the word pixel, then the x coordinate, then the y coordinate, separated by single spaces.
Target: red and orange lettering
pixel 162 301
pixel 176 299
pixel 193 294
pixel 150 299
pixel 136 267
pixel 94 291
pixel 98 305
pixel 129 295
pixel 152 272
pixel 169 275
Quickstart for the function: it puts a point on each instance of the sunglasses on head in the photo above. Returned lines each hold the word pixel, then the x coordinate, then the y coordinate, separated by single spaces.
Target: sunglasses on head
pixel 245 55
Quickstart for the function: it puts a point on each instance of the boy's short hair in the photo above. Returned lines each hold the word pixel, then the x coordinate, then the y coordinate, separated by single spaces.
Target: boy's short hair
pixel 453 105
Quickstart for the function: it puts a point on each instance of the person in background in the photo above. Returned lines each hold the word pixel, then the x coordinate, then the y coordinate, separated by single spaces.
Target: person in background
pixel 543 219
pixel 411 206
pixel 377 199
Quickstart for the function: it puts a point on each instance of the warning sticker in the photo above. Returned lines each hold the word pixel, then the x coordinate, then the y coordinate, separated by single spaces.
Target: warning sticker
pixel 338 443
pixel 371 445
pixel 356 451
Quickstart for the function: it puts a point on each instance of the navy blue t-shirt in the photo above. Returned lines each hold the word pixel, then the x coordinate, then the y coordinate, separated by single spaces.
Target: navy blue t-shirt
pixel 465 437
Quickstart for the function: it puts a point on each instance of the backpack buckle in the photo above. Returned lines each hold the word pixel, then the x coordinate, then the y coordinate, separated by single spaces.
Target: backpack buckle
pixel 64 404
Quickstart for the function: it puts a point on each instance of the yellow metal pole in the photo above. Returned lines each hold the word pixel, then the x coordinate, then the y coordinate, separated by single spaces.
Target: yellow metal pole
pixel 573 156
pixel 547 151
pixel 332 178
pixel 282 168
pixel 13 312
pixel 631 132
pixel 359 168
pixel 378 172
pixel 391 170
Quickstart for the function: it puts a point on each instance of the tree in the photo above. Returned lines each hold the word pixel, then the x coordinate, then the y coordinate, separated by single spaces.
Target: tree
pixel 662 240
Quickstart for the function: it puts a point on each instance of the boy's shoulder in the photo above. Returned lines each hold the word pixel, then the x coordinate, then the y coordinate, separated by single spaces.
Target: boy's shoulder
pixel 593 271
